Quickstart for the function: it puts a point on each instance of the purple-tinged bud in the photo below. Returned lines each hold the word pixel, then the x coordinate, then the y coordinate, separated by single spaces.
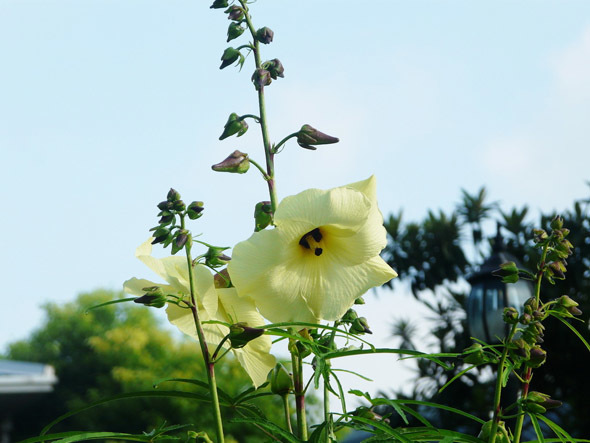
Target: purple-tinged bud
pixel 215 257
pixel 234 31
pixel 219 4
pixel 537 357
pixel 230 55
pixel 153 297
pixel 234 125
pixel 178 206
pixel 240 334
pixel 262 215
pixel 235 13
pixel 264 35
pixel 308 137
pixel 195 210
pixel 165 205
pixel 261 78
pixel 173 195
pixel 360 326
pixel 510 315
pixel 525 318
pixel 182 238
pixel 222 279
pixel 166 218
pixel 281 382
pixel 237 162
pixel 275 68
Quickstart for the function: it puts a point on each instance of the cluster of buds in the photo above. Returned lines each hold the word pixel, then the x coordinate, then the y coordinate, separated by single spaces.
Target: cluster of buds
pixel 558 247
pixel 269 71
pixel 167 232
pixel 526 349
pixel 358 325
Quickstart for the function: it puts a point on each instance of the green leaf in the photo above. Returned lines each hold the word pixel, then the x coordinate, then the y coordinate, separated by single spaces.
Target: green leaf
pixel 558 430
pixel 139 394
pixel 414 354
pixel 222 394
pixel 536 427
pixel 382 427
pixel 276 431
pixel 456 377
pixel 446 408
pixel 575 331
pixel 74 436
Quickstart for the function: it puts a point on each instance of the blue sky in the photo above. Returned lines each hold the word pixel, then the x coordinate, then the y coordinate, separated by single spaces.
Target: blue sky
pixel 105 105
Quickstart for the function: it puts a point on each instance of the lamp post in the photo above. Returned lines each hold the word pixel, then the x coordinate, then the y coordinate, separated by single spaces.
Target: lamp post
pixel 489 296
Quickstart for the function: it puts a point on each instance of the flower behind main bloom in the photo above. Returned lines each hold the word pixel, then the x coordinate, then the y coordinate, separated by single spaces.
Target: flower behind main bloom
pixel 321 256
pixel 212 303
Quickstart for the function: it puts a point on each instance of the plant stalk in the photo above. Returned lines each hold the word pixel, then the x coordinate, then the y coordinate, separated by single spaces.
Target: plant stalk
pixel 299 390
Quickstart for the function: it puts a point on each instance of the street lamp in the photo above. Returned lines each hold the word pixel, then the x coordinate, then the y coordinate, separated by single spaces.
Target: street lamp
pixel 489 296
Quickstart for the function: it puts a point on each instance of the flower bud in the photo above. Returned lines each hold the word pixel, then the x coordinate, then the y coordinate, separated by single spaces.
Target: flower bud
pixel 222 279
pixel 240 334
pixel 557 223
pixel 262 215
pixel 153 297
pixel 215 257
pixel 359 301
pixel 160 235
pixel 308 136
pixel 525 318
pixel 234 31
pixel 182 238
pixel 474 355
pixel 264 35
pixel 166 218
pixel 349 316
pixel 569 305
pixel 237 162
pixel 173 195
pixel 165 205
pixel 508 271
pixel 360 326
pixel 234 125
pixel 537 357
pixel 281 382
pixel 275 68
pixel 178 206
pixel 235 13
pixel 510 315
pixel 229 56
pixel 199 437
pixel 261 78
pixel 195 210
pixel 218 4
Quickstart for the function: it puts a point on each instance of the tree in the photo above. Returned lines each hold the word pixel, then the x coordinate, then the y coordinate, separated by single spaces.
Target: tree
pixel 432 257
pixel 112 350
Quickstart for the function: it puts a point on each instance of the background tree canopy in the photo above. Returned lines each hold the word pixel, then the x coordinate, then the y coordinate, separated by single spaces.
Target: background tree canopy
pixel 116 349
pixel 433 255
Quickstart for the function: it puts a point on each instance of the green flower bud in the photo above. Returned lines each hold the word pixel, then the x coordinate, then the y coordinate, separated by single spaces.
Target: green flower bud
pixel 173 195
pixel 510 315
pixel 234 31
pixel 200 437
pixel 195 210
pixel 534 408
pixel 525 318
pixel 234 125
pixel 475 355
pixel 275 68
pixel 235 13
pixel 308 137
pixel 261 78
pixel 178 206
pixel 237 162
pixel 557 223
pixel 215 257
pixel 222 279
pixel 230 55
pixel 165 205
pixel 349 316
pixel 369 414
pixel 153 297
pixel 359 301
pixel 281 382
pixel 218 4
pixel 240 334
pixel 264 35
pixel 360 326
pixel 262 215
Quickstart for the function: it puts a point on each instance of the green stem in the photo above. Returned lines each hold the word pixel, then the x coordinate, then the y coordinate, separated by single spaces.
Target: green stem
pixel 287 412
pixel 262 171
pixel 498 390
pixel 283 141
pixel 252 116
pixel 299 391
pixel 270 167
pixel 327 420
pixel 209 365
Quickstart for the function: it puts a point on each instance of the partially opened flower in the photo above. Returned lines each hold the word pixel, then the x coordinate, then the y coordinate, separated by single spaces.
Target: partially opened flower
pixel 212 303
pixel 321 256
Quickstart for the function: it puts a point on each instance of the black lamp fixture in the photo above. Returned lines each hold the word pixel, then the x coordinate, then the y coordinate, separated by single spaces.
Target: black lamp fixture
pixel 489 296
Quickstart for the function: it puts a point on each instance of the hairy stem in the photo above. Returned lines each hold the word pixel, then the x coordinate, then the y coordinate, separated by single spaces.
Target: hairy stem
pixel 209 365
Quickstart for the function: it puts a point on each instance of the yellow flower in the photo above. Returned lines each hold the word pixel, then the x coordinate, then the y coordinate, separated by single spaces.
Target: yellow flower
pixel 321 256
pixel 212 303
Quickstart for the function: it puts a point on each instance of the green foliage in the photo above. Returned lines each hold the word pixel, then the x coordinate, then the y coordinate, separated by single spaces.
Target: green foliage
pixel 118 349
pixel 563 376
